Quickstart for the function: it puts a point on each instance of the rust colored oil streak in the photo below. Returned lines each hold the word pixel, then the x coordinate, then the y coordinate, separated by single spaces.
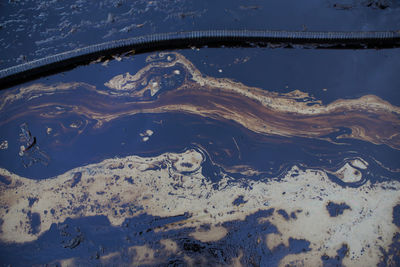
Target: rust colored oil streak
pixel 218 104
pixel 372 127
pixel 370 118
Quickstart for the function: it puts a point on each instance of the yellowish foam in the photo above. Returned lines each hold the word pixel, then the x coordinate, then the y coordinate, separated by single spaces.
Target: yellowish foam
pixel 172 184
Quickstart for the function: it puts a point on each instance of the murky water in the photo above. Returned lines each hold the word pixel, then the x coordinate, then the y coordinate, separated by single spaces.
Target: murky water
pixel 255 157
pixel 34 29
pixel 200 157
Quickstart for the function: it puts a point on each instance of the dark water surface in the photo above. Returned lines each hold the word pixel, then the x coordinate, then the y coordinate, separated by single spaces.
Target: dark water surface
pixel 34 29
pixel 203 156
pixel 228 167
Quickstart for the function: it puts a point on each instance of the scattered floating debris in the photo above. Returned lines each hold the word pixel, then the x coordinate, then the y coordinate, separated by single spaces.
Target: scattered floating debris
pixel 146 135
pixel 27 138
pixel 4 145
pixel 49 130
pixel 29 150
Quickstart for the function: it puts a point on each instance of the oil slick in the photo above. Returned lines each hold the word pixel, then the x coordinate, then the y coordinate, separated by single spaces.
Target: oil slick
pixel 330 210
pixel 171 83
pixel 120 188
pixel 290 114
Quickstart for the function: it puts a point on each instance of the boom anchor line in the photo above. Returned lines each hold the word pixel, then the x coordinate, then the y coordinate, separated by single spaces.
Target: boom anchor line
pixel 211 38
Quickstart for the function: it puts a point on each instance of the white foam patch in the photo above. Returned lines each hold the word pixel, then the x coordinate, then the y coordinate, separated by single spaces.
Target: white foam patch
pixel 172 184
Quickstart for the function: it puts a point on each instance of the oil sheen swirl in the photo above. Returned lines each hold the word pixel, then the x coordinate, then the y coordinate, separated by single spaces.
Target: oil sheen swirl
pixel 299 200
pixel 170 83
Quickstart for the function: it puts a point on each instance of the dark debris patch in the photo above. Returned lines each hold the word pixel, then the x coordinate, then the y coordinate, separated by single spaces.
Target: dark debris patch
pixel 5 180
pixel 74 242
pixel 117 166
pixel 284 214
pixel 35 222
pixel 293 214
pixel 129 180
pixel 186 164
pixel 30 152
pixel 391 256
pixel 373 4
pixel 239 200
pixel 192 246
pixel 396 215
pixel 74 236
pixel 336 260
pixel 336 209
pixel 76 179
pixel 32 200
pixel 379 4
